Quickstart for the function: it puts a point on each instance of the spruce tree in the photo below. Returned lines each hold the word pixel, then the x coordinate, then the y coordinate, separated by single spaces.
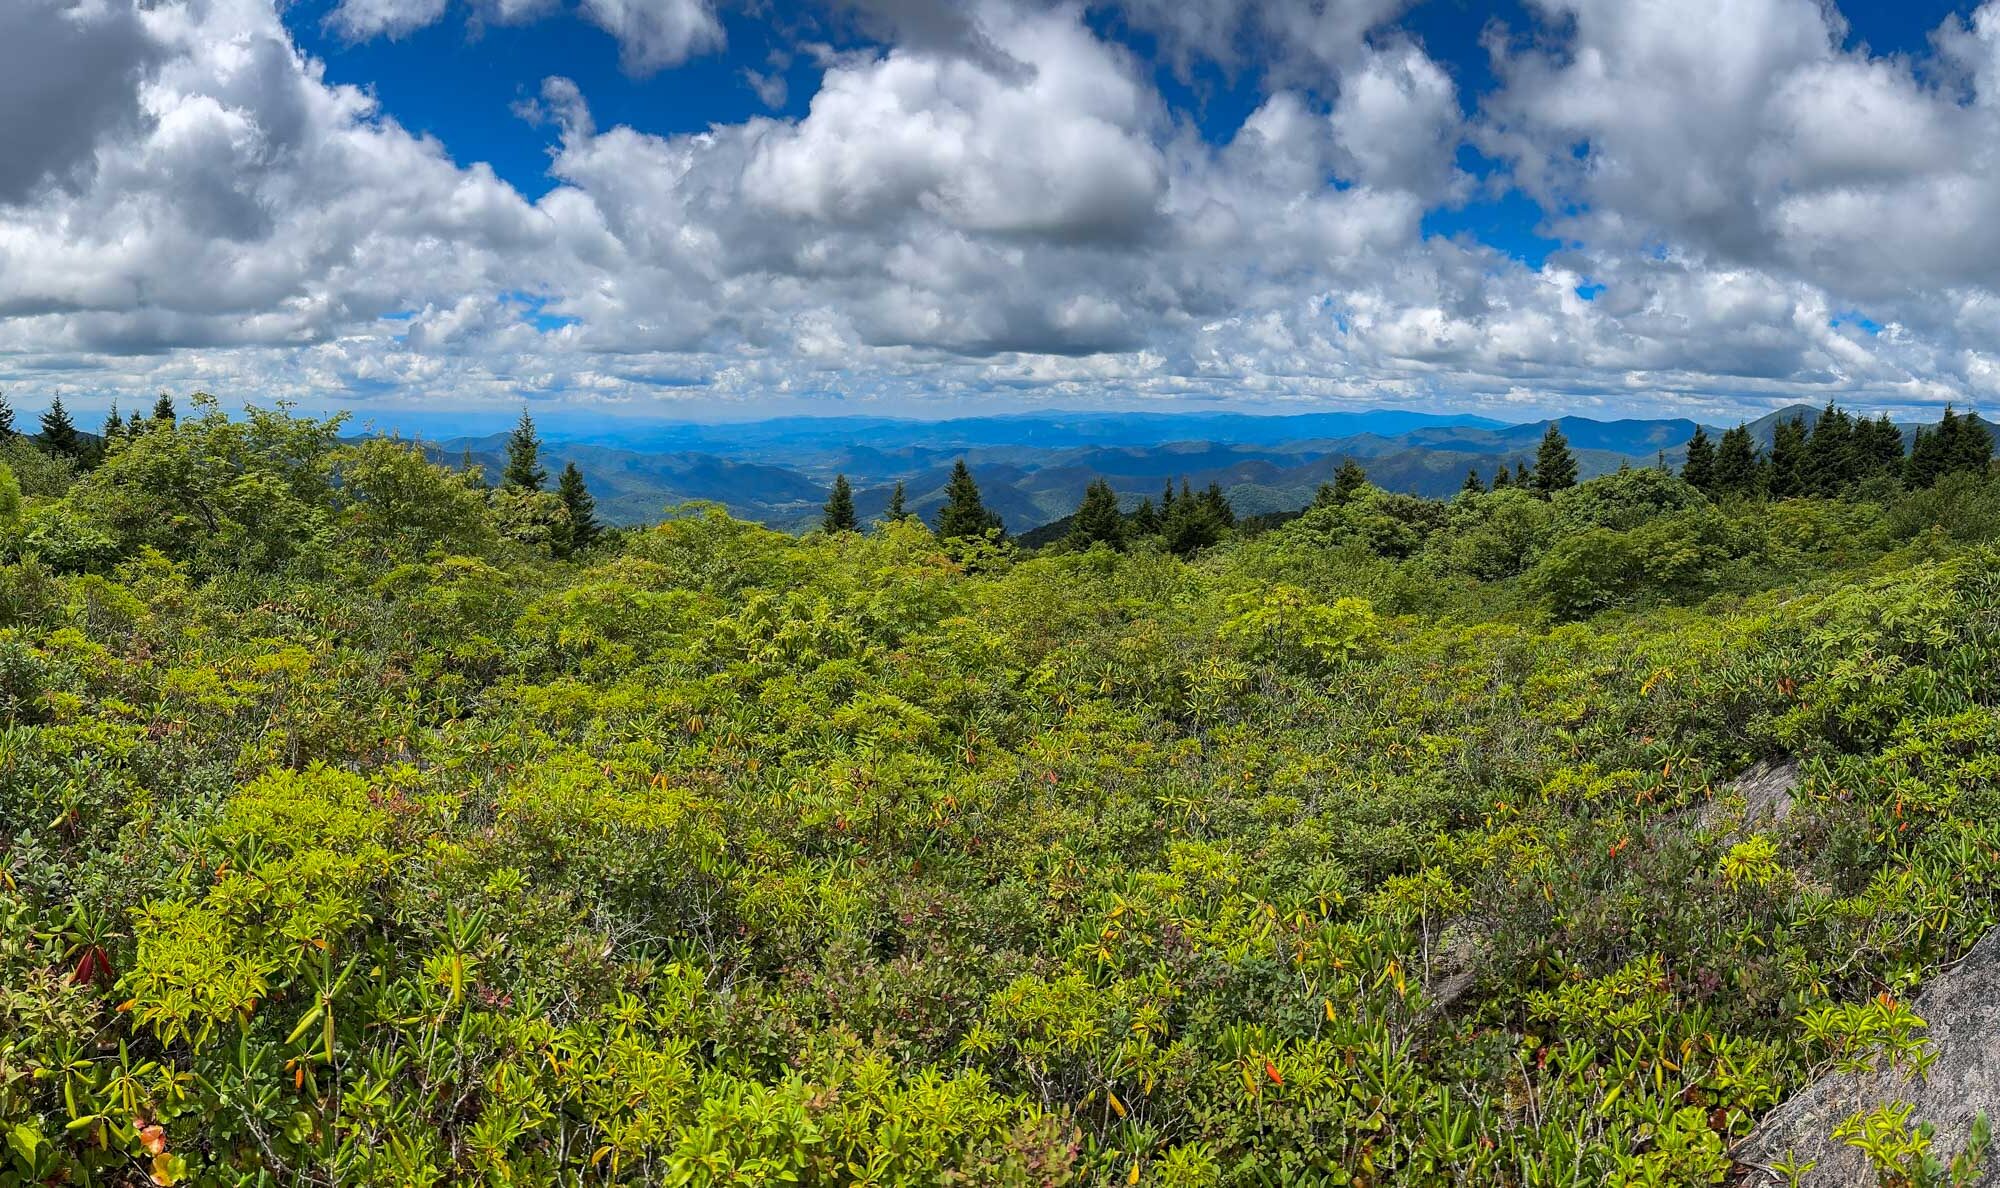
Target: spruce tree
pixel 964 515
pixel 1555 466
pixel 1472 485
pixel 1974 449
pixel 1503 478
pixel 1788 477
pixel 583 526
pixel 1699 469
pixel 1192 523
pixel 6 419
pixel 839 515
pixel 1349 483
pixel 59 435
pixel 1829 458
pixel 1737 469
pixel 1216 505
pixel 897 511
pixel 1145 521
pixel 114 425
pixel 524 457
pixel 163 411
pixel 1097 519
pixel 1885 447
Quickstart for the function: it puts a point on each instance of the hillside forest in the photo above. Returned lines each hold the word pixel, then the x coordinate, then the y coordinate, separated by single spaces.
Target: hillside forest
pixel 367 819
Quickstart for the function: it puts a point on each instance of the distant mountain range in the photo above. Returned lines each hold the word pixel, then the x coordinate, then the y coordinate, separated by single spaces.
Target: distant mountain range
pixel 1033 468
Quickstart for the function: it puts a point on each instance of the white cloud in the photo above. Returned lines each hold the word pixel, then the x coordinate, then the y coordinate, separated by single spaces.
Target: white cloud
pixel 1002 201
pixel 652 34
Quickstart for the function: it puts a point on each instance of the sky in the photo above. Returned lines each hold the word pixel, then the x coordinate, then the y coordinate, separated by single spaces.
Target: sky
pixel 722 209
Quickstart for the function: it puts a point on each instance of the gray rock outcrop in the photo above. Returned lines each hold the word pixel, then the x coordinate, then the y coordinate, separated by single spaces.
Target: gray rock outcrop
pixel 1962 1007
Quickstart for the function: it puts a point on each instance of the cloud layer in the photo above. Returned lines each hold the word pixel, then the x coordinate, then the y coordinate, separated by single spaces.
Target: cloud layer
pixel 998 202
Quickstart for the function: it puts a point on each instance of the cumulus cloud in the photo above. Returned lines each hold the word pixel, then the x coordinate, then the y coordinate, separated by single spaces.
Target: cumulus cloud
pixel 1745 133
pixel 652 34
pixel 69 77
pixel 998 198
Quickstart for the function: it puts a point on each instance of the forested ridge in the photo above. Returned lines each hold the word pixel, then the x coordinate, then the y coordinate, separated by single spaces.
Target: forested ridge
pixel 368 822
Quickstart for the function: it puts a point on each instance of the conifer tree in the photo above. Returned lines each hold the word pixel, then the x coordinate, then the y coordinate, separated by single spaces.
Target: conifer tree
pixel 163 410
pixel 1097 519
pixel 1145 521
pixel 1974 448
pixel 1166 500
pixel 114 425
pixel 59 435
pixel 583 526
pixel 1193 522
pixel 1347 483
pixel 1787 477
pixel 524 457
pixel 6 419
pixel 1829 458
pixel 897 512
pixel 1699 469
pixel 1737 467
pixel 1555 466
pixel 839 515
pixel 1503 478
pixel 1884 447
pixel 1216 505
pixel 964 514
pixel 1472 485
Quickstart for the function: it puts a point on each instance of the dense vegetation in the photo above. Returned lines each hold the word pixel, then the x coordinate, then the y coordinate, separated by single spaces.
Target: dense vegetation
pixel 366 824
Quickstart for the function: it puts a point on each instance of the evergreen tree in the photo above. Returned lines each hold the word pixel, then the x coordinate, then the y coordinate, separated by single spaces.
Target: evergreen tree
pixel 839 515
pixel 1503 478
pixel 1788 477
pixel 1555 466
pixel 1347 483
pixel 1097 518
pixel 1882 452
pixel 1699 469
pixel 964 515
pixel 1829 458
pixel 524 457
pixel 1216 505
pixel 1167 499
pixel 1472 485
pixel 1192 523
pixel 1737 467
pixel 163 410
pixel 59 435
pixel 583 526
pixel 897 511
pixel 6 419
pixel 1145 521
pixel 1974 449
pixel 114 425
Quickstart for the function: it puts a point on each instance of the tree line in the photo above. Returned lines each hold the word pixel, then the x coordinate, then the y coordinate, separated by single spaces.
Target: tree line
pixel 1831 457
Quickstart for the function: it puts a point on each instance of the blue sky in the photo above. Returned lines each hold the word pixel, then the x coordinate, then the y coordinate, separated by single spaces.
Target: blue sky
pixel 718 209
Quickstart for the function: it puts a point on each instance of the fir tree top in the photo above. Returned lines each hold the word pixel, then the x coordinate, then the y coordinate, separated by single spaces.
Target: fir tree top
pixel 575 495
pixel 59 433
pixel 839 514
pixel 964 514
pixel 1555 466
pixel 524 457
pixel 1097 519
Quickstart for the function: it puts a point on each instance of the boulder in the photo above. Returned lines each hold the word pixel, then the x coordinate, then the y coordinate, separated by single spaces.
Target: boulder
pixel 1962 1007
pixel 1765 789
